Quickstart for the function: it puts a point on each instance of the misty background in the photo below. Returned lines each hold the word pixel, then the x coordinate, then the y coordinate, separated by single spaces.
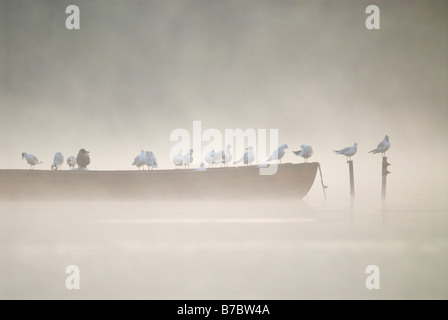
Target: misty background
pixel 137 70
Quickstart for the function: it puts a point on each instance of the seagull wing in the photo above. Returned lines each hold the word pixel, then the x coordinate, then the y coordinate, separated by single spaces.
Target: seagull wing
pixel 35 159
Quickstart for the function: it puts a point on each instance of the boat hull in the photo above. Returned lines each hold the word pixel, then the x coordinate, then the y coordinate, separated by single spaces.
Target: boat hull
pixel 290 181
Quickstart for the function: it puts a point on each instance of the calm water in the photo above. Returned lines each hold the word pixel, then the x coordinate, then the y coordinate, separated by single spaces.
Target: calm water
pixel 314 249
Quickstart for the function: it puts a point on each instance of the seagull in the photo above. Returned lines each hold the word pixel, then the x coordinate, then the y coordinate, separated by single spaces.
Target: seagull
pixel 139 160
pixel 71 161
pixel 58 160
pixel 187 158
pixel 177 160
pixel 201 167
pixel 223 157
pixel 150 160
pixel 248 157
pixel 210 157
pixel 382 147
pixel 278 154
pixel 305 152
pixel 83 159
pixel 31 159
pixel 348 151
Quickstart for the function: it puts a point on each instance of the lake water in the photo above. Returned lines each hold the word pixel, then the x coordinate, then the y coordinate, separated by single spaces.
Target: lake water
pixel 310 249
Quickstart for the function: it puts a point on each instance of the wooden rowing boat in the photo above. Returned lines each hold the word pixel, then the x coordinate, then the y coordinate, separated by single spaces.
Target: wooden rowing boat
pixel 291 181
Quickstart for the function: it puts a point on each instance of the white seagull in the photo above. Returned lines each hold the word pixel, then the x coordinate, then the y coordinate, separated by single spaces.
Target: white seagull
pixel 58 160
pixel 278 153
pixel 224 156
pixel 177 160
pixel 150 160
pixel 31 159
pixel 382 147
pixel 201 167
pixel 139 160
pixel 71 161
pixel 349 152
pixel 306 152
pixel 248 157
pixel 187 158
pixel 210 157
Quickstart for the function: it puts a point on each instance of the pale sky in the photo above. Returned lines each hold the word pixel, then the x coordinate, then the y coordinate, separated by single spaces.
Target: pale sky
pixel 137 70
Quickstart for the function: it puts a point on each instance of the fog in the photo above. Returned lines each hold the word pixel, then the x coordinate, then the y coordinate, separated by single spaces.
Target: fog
pixel 137 70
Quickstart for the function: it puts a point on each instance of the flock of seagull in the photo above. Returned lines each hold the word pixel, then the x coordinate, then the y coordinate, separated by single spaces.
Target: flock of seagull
pixel 82 160
pixel 145 158
pixel 223 157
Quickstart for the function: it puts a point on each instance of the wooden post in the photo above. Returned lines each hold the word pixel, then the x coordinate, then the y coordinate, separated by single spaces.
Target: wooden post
pixel 352 179
pixel 384 174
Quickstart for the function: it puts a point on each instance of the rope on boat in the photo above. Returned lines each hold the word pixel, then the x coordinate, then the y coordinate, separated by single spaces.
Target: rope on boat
pixel 322 182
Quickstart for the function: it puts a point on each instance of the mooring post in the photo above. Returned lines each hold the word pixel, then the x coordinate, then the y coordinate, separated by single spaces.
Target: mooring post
pixel 352 179
pixel 384 173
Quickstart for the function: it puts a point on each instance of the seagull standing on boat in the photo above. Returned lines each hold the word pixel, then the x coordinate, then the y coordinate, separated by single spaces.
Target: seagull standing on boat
pixel 223 157
pixel 177 160
pixel 210 157
pixel 349 152
pixel 31 159
pixel 58 160
pixel 278 153
pixel 187 158
pixel 150 160
pixel 71 161
pixel 382 147
pixel 248 157
pixel 306 152
pixel 201 167
pixel 83 159
pixel 139 160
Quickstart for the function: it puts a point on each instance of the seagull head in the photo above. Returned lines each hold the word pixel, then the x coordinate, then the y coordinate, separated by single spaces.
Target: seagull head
pixel 387 137
pixel 23 155
pixel 355 144
pixel 284 146
pixel 83 151
pixel 191 151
